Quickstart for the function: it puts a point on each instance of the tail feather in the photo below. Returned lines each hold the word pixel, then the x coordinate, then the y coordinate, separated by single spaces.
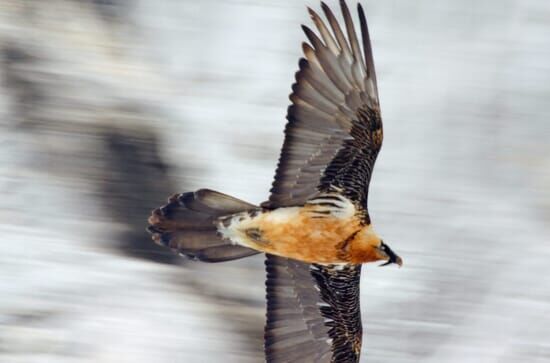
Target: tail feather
pixel 187 224
pixel 224 253
pixel 215 203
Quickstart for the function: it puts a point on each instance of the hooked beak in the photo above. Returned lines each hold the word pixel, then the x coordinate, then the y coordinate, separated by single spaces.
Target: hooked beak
pixel 392 257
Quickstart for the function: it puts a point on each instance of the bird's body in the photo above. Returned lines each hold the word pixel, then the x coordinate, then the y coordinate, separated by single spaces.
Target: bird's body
pixel 327 230
pixel 315 228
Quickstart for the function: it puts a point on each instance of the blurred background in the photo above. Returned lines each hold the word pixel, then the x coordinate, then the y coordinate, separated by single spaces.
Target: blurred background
pixel 107 107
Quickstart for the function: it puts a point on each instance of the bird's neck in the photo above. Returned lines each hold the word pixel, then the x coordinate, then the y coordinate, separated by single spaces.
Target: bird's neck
pixel 363 246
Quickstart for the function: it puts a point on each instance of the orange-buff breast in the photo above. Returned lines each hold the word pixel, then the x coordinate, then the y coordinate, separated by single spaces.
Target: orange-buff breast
pixel 304 235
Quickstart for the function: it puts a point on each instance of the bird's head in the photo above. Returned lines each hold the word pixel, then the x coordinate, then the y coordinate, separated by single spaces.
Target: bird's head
pixel 369 247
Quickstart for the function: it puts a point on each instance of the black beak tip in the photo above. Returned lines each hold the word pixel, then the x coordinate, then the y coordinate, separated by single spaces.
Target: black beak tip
pixel 394 259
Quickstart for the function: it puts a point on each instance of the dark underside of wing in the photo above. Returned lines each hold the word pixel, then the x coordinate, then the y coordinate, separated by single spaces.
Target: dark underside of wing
pixel 313 312
pixel 332 139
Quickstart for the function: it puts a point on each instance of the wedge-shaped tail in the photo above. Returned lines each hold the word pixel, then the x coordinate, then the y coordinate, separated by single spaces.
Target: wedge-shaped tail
pixel 187 224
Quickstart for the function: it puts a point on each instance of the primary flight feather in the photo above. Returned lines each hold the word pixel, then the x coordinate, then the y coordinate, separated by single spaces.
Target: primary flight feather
pixel 315 228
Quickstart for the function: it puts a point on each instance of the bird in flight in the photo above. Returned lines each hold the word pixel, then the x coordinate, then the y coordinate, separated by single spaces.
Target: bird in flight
pixel 315 229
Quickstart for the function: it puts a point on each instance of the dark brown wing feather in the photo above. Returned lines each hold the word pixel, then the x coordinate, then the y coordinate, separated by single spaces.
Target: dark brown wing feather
pixel 334 129
pixel 313 312
pixel 295 329
pixel 333 136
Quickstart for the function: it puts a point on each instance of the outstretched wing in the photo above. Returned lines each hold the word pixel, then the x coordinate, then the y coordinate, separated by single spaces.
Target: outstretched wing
pixel 334 129
pixel 332 139
pixel 313 312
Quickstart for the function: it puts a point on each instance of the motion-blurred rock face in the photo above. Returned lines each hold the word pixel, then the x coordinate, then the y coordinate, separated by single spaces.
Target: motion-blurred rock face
pixel 84 121
pixel 83 129
pixel 133 180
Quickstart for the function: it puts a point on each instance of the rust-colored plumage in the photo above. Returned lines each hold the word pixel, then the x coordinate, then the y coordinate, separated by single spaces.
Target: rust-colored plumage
pixel 314 233
pixel 315 228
